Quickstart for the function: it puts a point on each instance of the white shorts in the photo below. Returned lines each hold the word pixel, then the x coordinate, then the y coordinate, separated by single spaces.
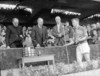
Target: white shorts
pixel 83 48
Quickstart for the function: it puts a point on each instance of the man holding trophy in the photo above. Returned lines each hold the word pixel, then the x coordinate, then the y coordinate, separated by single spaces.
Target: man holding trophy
pixel 80 38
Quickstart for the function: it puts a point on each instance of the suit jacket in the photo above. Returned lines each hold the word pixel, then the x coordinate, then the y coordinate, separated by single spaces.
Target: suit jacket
pixel 58 40
pixel 39 37
pixel 68 32
pixel 13 34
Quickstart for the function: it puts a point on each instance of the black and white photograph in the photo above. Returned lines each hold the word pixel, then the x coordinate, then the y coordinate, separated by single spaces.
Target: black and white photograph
pixel 49 37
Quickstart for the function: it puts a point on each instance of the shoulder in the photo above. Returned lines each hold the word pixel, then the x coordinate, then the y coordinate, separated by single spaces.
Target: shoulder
pixel 34 27
pixel 10 27
pixel 55 26
pixel 82 28
pixel 44 26
pixel 20 26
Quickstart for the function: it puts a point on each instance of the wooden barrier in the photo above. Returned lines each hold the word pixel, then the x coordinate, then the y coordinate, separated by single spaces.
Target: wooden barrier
pixel 9 57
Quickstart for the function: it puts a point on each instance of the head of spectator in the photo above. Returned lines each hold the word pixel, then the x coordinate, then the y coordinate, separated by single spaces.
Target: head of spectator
pixel 98 24
pixel 4 27
pixel 58 19
pixel 15 22
pixel 66 23
pixel 24 28
pixel 75 22
pixel 29 30
pixel 88 28
pixel 40 22
pixel 93 26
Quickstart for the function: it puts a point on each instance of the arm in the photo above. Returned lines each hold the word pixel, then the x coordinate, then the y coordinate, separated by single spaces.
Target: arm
pixel 71 42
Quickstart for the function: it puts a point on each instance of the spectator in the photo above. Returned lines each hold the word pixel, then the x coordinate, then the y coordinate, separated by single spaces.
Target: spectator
pixel 24 31
pixel 95 35
pixel 39 34
pixel 68 32
pixel 98 30
pixel 2 37
pixel 58 32
pixel 28 41
pixel 90 34
pixel 14 34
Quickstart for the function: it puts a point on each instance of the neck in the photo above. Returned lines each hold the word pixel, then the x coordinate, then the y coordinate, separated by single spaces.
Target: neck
pixel 39 26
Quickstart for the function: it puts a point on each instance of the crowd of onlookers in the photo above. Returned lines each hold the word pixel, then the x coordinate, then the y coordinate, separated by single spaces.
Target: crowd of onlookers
pixel 93 31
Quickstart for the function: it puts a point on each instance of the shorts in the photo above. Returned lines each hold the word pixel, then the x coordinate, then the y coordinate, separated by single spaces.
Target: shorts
pixel 83 48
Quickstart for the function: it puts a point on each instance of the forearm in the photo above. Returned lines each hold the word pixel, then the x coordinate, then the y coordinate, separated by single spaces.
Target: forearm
pixel 83 39
pixel 71 42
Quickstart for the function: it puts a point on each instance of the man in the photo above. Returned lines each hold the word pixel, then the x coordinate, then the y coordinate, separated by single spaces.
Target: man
pixel 58 32
pixel 39 34
pixel 98 30
pixel 95 34
pixel 14 34
pixel 68 32
pixel 80 38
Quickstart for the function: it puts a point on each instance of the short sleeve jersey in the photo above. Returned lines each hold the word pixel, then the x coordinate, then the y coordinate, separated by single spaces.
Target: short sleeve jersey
pixel 80 32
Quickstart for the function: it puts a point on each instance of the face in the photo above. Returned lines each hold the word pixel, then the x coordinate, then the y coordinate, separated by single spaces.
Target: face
pixel 15 22
pixel 67 24
pixel 29 31
pixel 98 25
pixel 24 28
pixel 93 26
pixel 75 23
pixel 58 20
pixel 88 28
pixel 40 22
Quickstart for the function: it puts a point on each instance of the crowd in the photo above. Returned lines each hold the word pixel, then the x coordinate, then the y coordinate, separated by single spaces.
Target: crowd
pixel 14 36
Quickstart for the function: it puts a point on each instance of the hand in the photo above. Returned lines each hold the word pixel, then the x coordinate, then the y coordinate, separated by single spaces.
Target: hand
pixel 59 35
pixel 38 45
pixel 66 45
pixel 21 36
pixel 76 41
